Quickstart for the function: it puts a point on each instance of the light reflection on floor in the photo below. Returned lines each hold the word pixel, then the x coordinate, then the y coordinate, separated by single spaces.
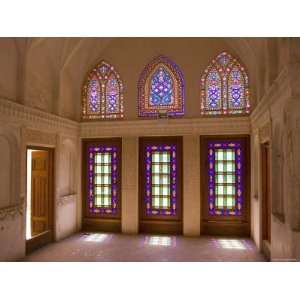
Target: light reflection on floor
pixel 232 244
pixel 167 241
pixel 95 237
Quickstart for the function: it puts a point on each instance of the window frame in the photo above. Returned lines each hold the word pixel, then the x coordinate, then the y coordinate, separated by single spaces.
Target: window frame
pixel 103 142
pixel 159 141
pixel 225 224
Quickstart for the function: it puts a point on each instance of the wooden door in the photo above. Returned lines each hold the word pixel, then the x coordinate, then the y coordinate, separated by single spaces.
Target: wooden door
pixel 40 192
pixel 41 218
pixel 266 199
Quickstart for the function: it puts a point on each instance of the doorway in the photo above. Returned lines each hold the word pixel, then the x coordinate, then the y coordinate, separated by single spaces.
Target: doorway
pixel 266 199
pixel 39 205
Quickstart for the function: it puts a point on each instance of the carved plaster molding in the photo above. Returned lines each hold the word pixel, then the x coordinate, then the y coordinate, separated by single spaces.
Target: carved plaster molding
pixel 66 199
pixel 32 136
pixel 32 117
pixel 11 211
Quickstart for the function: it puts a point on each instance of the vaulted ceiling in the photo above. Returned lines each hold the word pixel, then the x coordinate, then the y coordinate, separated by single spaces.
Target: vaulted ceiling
pixel 48 73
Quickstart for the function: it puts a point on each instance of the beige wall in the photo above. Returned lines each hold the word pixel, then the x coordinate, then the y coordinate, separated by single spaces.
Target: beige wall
pixel 43 78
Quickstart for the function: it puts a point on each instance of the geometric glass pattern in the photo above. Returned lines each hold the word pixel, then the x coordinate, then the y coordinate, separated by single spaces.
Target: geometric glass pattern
pixel 102 181
pixel 102 94
pixel 225 178
pixel 161 89
pixel 224 87
pixel 161 197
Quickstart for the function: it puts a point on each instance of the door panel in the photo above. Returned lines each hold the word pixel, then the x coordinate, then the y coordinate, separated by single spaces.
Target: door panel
pixel 40 192
pixel 42 178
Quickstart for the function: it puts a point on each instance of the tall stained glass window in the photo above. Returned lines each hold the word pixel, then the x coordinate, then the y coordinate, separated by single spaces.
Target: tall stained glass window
pixel 103 93
pixel 226 197
pixel 161 180
pixel 103 179
pixel 225 87
pixel 161 89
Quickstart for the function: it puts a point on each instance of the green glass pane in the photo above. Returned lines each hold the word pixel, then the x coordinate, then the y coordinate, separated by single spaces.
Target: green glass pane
pixel 106 169
pixel 230 167
pixel 220 179
pixel 220 201
pixel 230 155
pixel 166 191
pixel 98 158
pixel 155 168
pixel 220 167
pixel 229 202
pixel 155 191
pixel 106 179
pixel 155 157
pixel 219 190
pixel 165 168
pixel 165 202
pixel 106 190
pixel 166 157
pixel 107 158
pixel 155 179
pixel 155 201
pixel 165 179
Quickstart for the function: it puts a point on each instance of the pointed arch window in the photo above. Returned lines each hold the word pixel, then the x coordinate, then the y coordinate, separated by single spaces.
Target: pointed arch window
pixel 103 93
pixel 161 89
pixel 225 87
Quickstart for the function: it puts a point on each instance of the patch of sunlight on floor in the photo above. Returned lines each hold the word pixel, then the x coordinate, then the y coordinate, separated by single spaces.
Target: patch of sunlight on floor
pixel 95 237
pixel 166 241
pixel 231 244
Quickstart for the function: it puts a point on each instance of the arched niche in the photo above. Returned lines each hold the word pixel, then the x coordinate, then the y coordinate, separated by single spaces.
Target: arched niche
pixel 9 170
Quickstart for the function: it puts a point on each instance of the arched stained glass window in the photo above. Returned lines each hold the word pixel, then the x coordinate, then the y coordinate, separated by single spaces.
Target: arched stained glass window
pixel 161 89
pixel 224 87
pixel 103 93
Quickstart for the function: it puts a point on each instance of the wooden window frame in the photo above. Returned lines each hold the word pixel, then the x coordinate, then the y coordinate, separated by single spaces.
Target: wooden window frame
pixel 160 223
pixel 225 225
pixel 101 221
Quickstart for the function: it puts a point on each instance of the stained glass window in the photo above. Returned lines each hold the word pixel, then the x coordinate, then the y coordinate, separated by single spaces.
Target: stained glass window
pixel 225 87
pixel 103 93
pixel 161 89
pixel 225 178
pixel 103 179
pixel 161 180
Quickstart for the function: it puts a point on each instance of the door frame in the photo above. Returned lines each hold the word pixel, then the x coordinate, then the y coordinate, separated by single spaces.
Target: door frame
pixel 48 236
pixel 266 203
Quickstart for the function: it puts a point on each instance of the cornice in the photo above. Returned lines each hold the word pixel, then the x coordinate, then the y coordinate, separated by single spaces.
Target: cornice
pixel 193 126
pixel 32 117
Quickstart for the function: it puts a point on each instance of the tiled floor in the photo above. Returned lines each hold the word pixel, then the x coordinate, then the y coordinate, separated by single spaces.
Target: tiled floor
pixel 120 247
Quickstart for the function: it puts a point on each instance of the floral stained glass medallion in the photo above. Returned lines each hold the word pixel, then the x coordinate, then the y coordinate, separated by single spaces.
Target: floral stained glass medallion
pixel 161 89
